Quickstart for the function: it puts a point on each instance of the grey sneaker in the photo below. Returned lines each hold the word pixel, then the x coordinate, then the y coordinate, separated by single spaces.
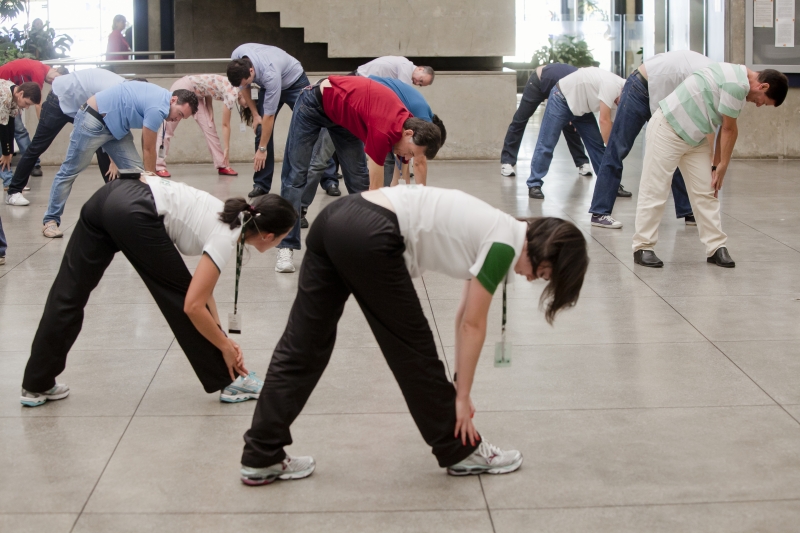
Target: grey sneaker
pixel 51 231
pixel 284 263
pixel 487 459
pixel 35 399
pixel 289 468
pixel 243 389
pixel 605 221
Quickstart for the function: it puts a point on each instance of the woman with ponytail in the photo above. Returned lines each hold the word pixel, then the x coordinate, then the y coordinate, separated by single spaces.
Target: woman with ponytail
pixel 153 221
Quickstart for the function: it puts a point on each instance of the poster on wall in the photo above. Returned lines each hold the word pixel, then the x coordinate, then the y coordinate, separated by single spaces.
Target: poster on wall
pixel 784 23
pixel 762 14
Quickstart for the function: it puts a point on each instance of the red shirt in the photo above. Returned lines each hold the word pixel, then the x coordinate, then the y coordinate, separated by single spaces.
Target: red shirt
pixel 370 111
pixel 117 43
pixel 21 70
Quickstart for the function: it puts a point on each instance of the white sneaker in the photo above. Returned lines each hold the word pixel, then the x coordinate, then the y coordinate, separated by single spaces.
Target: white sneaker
pixel 507 170
pixel 585 169
pixel 35 399
pixel 289 468
pixel 605 221
pixel 284 263
pixel 17 199
pixel 244 388
pixel 51 231
pixel 487 459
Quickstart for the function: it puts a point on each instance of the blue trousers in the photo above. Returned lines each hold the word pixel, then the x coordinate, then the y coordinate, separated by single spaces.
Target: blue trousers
pixel 632 113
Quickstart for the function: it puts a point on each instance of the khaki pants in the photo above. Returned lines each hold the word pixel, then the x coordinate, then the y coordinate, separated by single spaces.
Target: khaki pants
pixel 665 151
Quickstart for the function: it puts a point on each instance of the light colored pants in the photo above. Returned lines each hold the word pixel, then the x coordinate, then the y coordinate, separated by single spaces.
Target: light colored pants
pixel 664 152
pixel 204 118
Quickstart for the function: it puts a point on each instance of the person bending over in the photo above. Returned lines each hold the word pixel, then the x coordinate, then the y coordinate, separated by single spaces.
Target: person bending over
pixel 105 121
pixel 153 221
pixel 13 98
pixel 371 245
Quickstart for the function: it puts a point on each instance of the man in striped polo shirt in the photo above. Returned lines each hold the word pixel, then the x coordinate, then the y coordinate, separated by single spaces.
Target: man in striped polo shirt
pixel 676 136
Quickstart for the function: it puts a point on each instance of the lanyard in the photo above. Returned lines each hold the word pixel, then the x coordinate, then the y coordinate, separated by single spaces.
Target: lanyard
pixel 505 302
pixel 239 253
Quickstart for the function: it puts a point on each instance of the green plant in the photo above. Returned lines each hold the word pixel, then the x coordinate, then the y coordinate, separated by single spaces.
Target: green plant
pixel 44 44
pixel 9 9
pixel 565 49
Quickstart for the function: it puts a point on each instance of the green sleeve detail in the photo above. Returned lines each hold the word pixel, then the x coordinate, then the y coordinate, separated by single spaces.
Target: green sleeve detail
pixel 496 266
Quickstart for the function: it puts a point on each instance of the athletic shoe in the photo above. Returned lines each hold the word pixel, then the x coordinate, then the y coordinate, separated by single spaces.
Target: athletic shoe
pixel 690 221
pixel 585 169
pixel 622 193
pixel 256 192
pixel 37 172
pixel 163 173
pixel 536 192
pixel 35 399
pixel 487 459
pixel 227 171
pixel 605 221
pixel 507 170
pixel 3 260
pixel 289 468
pixel 244 388
pixel 17 199
pixel 284 263
pixel 51 231
pixel 303 222
pixel 333 190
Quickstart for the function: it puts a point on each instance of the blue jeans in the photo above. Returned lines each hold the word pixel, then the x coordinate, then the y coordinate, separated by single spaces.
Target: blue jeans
pixel 322 170
pixel 632 113
pixel 556 116
pixel 23 141
pixel 263 178
pixel 88 134
pixel 3 242
pixel 308 119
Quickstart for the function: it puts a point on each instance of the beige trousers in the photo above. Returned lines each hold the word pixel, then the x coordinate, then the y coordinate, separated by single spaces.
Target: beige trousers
pixel 664 152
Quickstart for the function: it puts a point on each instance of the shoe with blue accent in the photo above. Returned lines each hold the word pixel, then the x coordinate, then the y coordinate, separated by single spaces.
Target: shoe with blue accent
pixel 35 399
pixel 244 388
pixel 487 459
pixel 289 468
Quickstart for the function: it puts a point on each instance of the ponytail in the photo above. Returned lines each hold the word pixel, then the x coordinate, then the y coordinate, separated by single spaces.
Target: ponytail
pixel 269 213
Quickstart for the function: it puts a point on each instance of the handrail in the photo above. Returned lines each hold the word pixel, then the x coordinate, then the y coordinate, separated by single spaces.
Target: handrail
pixel 143 61
pixel 77 60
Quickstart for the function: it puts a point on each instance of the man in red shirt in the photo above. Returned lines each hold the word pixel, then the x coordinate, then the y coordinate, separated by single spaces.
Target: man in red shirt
pixel 20 71
pixel 361 116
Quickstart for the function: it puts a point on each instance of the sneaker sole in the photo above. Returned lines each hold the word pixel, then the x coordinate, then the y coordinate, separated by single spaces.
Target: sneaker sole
pixel 582 174
pixel 285 270
pixel 598 225
pixel 225 398
pixel 691 223
pixel 477 470
pixel 36 402
pixel 508 175
pixel 255 482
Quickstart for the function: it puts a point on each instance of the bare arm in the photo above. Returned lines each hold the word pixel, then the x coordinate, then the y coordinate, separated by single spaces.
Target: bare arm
pixel 226 134
pixel 421 170
pixel 375 174
pixel 149 149
pixel 605 122
pixel 260 159
pixel 396 175
pixel 248 102
pixel 726 141
pixel 198 304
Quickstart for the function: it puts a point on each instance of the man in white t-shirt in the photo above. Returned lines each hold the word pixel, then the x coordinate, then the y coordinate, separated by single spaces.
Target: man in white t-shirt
pixel 644 89
pixel 575 99
pixel 399 68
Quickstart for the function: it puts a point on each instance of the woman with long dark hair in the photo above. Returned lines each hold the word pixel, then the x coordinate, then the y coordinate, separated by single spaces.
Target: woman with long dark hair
pixel 371 245
pixel 153 221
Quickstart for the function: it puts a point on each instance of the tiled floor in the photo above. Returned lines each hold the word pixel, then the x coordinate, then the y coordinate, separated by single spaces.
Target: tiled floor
pixel 665 401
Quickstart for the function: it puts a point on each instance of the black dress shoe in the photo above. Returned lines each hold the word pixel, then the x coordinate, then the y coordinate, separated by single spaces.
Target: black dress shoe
pixel 257 191
pixel 536 192
pixel 722 258
pixel 37 171
pixel 333 190
pixel 647 258
pixel 622 193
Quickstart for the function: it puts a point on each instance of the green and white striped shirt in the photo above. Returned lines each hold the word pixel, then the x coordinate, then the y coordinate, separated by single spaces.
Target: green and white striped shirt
pixel 696 107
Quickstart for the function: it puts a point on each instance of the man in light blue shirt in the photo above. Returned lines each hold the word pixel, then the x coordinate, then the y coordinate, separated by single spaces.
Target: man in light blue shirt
pixel 106 120
pixel 280 78
pixel 69 92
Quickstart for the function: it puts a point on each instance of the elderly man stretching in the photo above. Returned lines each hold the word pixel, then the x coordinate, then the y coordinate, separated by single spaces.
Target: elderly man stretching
pixel 106 121
pixel 676 136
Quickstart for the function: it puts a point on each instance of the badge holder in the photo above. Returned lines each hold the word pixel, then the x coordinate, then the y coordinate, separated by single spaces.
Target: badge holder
pixel 235 319
pixel 502 349
pixel 242 127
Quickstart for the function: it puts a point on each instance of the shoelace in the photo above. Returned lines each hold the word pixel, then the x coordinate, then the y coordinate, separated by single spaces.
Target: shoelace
pixel 488 451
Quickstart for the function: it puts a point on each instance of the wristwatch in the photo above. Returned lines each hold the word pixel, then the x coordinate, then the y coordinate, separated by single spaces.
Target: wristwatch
pixel 262 149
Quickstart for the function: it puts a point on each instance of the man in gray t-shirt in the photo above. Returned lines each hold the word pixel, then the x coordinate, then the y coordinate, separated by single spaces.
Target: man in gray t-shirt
pixel 280 78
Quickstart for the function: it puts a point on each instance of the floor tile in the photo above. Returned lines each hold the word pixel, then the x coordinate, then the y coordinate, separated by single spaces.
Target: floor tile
pixel 35 523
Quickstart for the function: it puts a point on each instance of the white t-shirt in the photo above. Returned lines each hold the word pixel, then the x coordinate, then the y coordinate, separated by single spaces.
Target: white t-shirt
pixel 451 232
pixel 668 70
pixel 585 88
pixel 191 218
pixel 396 67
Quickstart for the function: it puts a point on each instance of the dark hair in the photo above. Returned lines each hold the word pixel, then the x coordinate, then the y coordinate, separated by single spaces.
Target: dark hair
pixel 562 244
pixel 425 134
pixel 269 213
pixel 778 85
pixel 438 122
pixel 429 70
pixel 186 97
pixel 29 89
pixel 238 70
pixel 117 18
pixel 143 80
pixel 246 115
pixel 62 71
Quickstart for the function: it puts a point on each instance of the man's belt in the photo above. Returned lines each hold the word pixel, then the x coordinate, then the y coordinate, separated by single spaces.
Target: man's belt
pixel 92 111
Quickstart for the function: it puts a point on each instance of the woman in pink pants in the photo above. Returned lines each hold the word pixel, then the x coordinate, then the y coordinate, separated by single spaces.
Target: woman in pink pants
pixel 207 87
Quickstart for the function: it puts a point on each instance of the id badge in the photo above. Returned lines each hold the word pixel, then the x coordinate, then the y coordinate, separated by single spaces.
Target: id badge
pixel 242 128
pixel 234 323
pixel 161 152
pixel 502 354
